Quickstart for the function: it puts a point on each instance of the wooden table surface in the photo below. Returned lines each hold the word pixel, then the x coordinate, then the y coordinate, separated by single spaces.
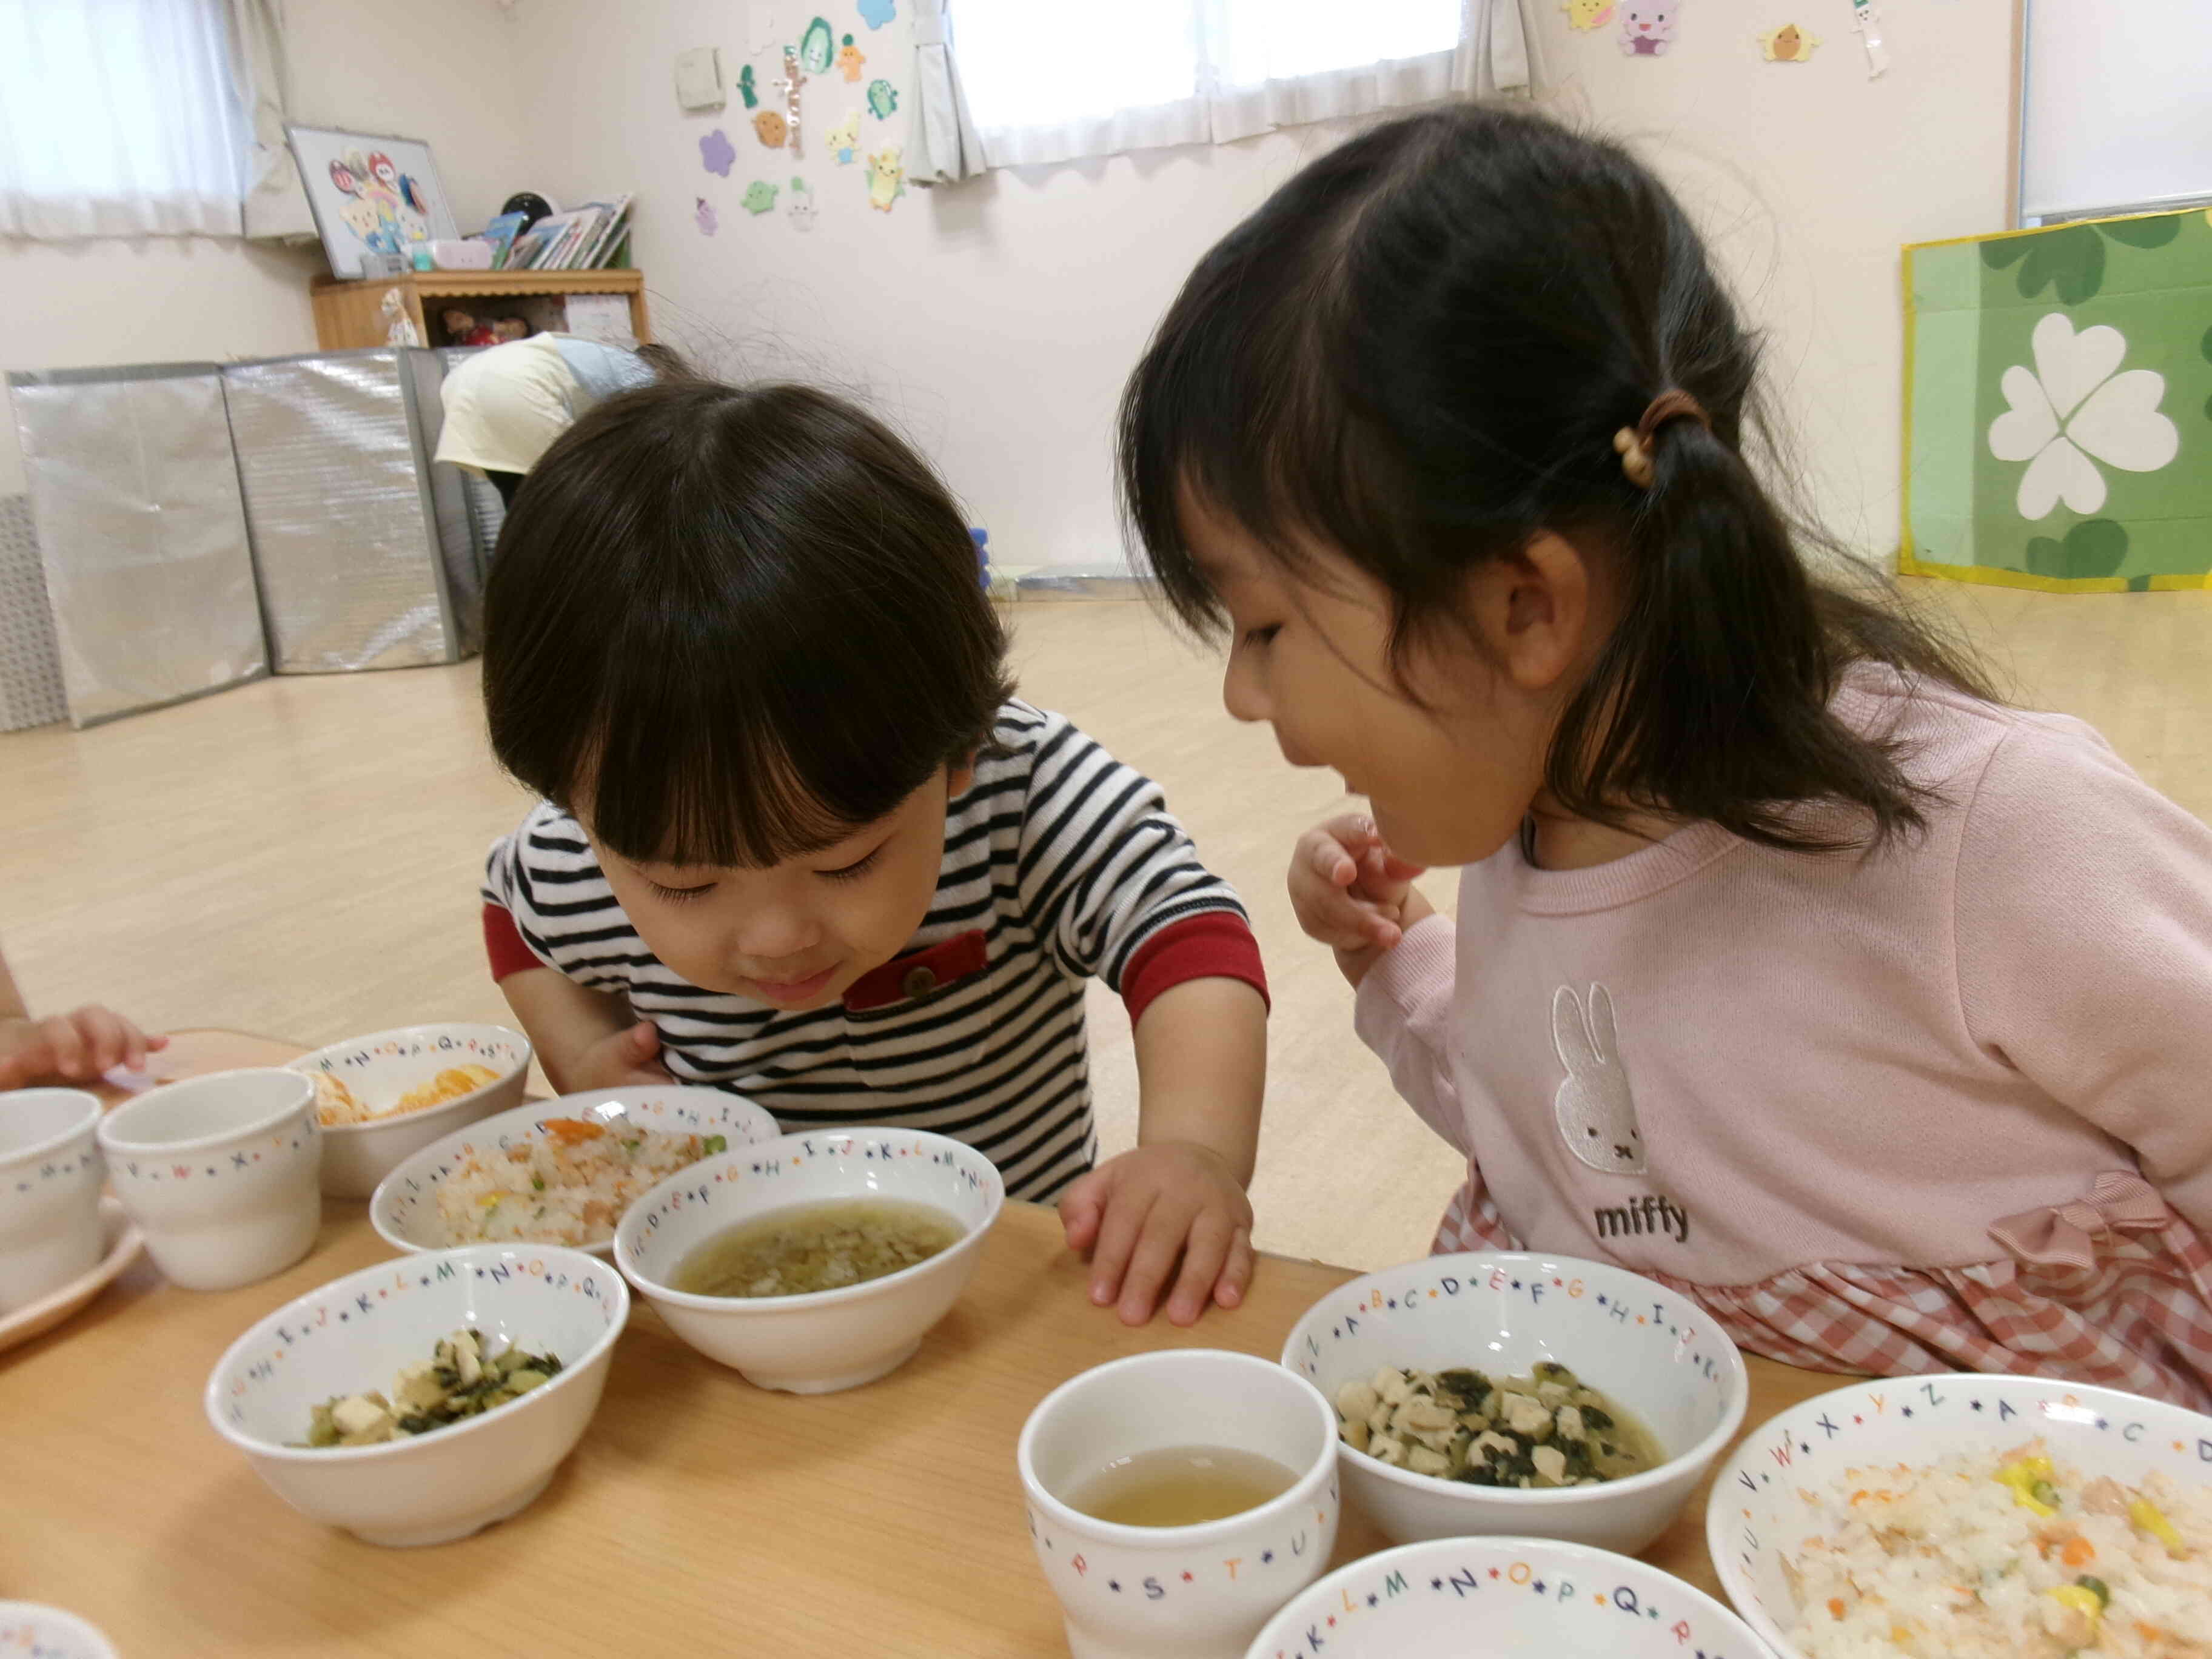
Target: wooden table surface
pixel 699 1514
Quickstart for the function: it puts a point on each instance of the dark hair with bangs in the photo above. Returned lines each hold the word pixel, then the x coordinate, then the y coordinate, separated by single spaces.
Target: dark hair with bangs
pixel 1418 352
pixel 731 625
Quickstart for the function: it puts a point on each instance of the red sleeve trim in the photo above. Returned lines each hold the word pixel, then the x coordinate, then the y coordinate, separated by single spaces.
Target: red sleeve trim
pixel 503 943
pixel 1218 944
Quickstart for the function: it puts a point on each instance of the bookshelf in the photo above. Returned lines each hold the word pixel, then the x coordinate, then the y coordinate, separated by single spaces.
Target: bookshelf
pixel 350 316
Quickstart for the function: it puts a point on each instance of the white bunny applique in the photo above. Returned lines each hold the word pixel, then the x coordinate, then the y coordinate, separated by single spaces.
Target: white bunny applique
pixel 1595 1107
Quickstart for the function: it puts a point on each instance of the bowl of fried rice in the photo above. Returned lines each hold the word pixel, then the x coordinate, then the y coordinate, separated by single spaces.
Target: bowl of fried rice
pixel 385 1097
pixel 1971 1517
pixel 558 1171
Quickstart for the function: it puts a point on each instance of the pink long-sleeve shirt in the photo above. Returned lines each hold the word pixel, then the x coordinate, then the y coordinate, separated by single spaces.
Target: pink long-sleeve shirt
pixel 1941 1107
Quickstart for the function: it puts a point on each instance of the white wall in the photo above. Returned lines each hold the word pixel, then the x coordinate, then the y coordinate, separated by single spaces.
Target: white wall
pixel 1808 178
pixel 997 319
pixel 424 69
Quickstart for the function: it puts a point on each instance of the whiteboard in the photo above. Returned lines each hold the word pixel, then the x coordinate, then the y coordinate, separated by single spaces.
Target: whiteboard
pixel 2115 106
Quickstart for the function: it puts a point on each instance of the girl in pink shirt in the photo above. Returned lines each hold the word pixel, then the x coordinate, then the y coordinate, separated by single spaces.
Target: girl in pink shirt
pixel 1791 969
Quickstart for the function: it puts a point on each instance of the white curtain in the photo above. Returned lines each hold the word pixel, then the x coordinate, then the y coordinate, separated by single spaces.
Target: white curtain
pixel 1496 52
pixel 276 204
pixel 1163 72
pixel 943 146
pixel 120 118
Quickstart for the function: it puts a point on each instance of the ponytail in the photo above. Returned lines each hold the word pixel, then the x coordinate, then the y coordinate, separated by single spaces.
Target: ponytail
pixel 1712 697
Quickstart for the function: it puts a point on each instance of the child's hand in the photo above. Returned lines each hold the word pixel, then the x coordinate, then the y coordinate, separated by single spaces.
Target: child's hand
pixel 1139 1214
pixel 1351 893
pixel 76 1048
pixel 628 1058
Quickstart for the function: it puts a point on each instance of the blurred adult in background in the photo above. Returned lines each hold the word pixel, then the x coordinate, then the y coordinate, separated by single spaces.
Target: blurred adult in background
pixel 505 404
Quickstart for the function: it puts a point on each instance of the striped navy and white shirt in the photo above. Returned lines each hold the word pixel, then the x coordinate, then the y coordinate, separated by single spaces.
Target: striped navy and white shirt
pixel 1059 863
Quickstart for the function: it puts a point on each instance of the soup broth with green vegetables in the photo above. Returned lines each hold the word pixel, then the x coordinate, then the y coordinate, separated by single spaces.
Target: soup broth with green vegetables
pixel 1546 1429
pixel 817 1247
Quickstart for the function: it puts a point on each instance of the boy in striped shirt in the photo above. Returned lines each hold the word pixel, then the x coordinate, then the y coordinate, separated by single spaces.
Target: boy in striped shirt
pixel 798 840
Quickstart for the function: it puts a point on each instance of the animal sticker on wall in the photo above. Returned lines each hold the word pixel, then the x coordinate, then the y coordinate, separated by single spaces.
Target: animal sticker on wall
pixel 850 58
pixel 882 99
pixel 1788 45
pixel 817 46
pixel 717 154
pixel 1587 14
pixel 886 177
pixel 1647 26
pixel 877 13
pixel 759 198
pixel 843 140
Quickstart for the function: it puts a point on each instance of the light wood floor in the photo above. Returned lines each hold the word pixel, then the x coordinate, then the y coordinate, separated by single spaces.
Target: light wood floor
pixel 300 857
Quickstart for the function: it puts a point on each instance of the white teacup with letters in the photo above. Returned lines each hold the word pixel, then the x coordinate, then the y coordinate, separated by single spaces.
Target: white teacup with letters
pixel 1198 1591
pixel 50 1177
pixel 222 1173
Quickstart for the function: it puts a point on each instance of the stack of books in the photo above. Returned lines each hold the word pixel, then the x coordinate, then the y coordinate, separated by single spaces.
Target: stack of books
pixel 588 238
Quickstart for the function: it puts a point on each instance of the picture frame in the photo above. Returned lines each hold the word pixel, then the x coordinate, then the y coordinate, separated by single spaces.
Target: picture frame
pixel 371 193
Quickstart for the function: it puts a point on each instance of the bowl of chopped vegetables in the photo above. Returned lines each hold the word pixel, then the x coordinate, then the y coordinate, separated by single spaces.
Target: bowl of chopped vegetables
pixel 1977 1517
pixel 1521 1394
pixel 423 1399
pixel 813 1262
pixel 385 1097
pixel 558 1171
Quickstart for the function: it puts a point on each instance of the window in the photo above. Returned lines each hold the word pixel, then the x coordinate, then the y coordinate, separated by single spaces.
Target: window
pixel 119 117
pixel 1049 84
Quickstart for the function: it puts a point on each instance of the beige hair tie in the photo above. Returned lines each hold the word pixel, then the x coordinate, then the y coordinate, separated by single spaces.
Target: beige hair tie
pixel 1633 444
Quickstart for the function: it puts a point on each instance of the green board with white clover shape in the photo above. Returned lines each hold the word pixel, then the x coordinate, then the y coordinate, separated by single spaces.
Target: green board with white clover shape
pixel 2058 406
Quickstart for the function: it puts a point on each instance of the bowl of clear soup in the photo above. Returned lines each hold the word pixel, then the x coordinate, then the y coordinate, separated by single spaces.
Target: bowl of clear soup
pixel 813 1262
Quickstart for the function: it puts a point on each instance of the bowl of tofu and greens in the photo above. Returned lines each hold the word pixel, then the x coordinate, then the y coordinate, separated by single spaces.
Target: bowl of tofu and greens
pixel 1522 1395
pixel 422 1400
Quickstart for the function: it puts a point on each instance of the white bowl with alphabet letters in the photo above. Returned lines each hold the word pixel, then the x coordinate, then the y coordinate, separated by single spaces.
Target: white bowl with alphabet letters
pixel 1530 1598
pixel 1656 1354
pixel 355 1333
pixel 1786 1484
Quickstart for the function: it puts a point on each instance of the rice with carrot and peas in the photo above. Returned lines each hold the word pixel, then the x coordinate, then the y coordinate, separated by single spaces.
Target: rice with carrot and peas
pixel 568 1185
pixel 2006 1556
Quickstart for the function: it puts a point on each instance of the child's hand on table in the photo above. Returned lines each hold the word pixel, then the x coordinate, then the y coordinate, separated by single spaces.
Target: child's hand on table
pixel 1351 892
pixel 623 1059
pixel 76 1048
pixel 1167 1222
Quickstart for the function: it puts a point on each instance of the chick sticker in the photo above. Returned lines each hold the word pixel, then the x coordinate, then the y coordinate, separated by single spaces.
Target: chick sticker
pixel 886 178
pixel 1587 14
pixel 1788 45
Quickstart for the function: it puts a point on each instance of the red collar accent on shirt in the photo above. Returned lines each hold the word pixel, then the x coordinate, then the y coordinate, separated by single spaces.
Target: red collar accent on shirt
pixel 923 973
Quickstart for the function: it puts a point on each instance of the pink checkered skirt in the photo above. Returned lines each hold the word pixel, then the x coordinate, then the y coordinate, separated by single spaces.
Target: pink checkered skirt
pixel 2114 1289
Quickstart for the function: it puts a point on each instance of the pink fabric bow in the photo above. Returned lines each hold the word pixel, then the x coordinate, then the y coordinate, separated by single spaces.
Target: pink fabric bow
pixel 2066 1235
